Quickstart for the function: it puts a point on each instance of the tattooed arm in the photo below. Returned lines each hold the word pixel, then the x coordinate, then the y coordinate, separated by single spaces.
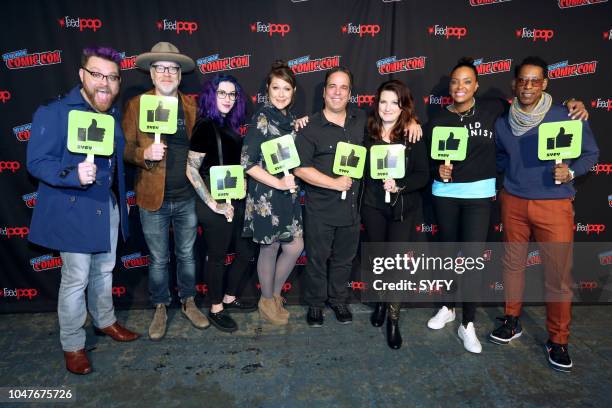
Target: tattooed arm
pixel 194 162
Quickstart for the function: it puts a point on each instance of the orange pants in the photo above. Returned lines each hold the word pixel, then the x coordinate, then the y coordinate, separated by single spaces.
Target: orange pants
pixel 549 221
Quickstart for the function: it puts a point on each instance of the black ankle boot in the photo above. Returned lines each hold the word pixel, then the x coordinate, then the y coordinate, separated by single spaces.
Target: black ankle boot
pixel 378 315
pixel 394 337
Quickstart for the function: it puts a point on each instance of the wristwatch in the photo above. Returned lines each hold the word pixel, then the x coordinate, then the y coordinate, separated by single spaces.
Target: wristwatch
pixel 571 173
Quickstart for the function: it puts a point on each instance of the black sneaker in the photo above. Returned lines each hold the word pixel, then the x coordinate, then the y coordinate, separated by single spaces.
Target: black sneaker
pixel 222 321
pixel 314 317
pixel 238 306
pixel 558 356
pixel 342 312
pixel 511 329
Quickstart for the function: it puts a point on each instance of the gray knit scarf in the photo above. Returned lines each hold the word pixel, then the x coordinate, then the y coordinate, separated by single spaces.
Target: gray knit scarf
pixel 521 121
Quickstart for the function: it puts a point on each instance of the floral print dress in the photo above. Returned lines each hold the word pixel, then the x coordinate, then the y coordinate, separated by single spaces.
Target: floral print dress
pixel 271 215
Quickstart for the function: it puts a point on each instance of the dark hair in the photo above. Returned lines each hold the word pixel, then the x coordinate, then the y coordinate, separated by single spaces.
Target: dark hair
pixel 406 104
pixel 467 62
pixel 106 53
pixel 207 103
pixel 281 70
pixel 531 60
pixel 340 69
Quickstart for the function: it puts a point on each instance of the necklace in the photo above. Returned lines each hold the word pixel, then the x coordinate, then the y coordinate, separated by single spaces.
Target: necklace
pixel 466 114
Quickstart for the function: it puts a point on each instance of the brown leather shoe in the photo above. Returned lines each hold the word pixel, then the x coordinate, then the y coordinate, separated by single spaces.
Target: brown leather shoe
pixel 77 362
pixel 117 333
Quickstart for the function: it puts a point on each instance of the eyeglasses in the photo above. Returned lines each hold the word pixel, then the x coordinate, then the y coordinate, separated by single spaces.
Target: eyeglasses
pixel 221 94
pixel 160 69
pixel 535 82
pixel 100 76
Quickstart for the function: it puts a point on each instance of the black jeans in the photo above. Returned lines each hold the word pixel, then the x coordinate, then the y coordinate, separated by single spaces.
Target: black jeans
pixel 464 220
pixel 328 248
pixel 218 234
pixel 381 227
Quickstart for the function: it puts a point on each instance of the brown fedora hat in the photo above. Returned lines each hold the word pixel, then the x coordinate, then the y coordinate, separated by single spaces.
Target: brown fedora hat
pixel 164 51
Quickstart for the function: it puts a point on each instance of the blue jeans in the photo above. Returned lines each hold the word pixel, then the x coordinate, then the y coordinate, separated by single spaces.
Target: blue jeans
pixel 156 229
pixel 94 272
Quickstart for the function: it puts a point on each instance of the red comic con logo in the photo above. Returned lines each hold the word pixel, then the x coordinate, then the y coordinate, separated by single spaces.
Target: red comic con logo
pixel 533 258
pixel 427 228
pixel 9 165
pixel 442 100
pixel 391 65
pixel 21 59
pixel 598 168
pixel 602 104
pixel 5 96
pixel 30 199
pixel 492 67
pixel 135 260
pixel 447 32
pixel 22 132
pixel 270 28
pixel 127 63
pixel 302 259
pixel 119 291
pixel 565 70
pixel 202 288
pixel 20 293
pixel 81 23
pixel 46 262
pixel 305 65
pixel 361 29
pixel 362 100
pixel 229 259
pixel 535 34
pixel 590 228
pixel 214 63
pixel 361 286
pixel 10 232
pixel 178 26
pixel 577 3
pixel 475 3
pixel 130 198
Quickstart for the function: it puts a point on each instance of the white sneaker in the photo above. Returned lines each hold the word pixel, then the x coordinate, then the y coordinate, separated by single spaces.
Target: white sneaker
pixel 468 335
pixel 443 316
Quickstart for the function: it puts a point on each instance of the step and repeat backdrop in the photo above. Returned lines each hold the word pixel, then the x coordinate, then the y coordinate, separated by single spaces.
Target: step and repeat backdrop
pixel 415 41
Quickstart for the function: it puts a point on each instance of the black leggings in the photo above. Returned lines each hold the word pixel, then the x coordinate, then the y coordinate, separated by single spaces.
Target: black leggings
pixel 464 220
pixel 218 234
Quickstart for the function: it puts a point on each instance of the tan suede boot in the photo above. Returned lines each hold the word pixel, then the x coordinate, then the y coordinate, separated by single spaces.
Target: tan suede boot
pixel 191 312
pixel 269 311
pixel 157 329
pixel 279 300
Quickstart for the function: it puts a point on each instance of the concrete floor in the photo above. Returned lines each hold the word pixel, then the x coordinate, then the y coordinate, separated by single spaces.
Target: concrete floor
pixel 296 366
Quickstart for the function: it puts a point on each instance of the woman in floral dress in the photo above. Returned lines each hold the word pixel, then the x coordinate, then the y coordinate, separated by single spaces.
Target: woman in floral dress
pixel 273 215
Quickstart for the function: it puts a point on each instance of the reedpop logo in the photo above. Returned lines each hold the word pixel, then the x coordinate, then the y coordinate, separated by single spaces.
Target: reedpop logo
pixel 20 232
pixel 81 23
pixel 21 59
pixel 442 100
pixel 178 26
pixel 9 165
pixel 447 32
pixel 259 98
pixel 427 228
pixel 598 168
pixel 602 104
pixel 590 228
pixel 534 34
pixel 270 28
pixel 362 100
pixel 19 293
pixel 361 29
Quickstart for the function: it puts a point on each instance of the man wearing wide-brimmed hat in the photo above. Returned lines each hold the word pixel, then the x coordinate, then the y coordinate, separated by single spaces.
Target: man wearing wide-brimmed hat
pixel 163 193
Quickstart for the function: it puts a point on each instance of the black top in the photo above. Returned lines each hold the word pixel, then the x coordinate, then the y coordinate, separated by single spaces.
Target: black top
pixel 178 186
pixel 415 178
pixel 204 140
pixel 479 163
pixel 316 145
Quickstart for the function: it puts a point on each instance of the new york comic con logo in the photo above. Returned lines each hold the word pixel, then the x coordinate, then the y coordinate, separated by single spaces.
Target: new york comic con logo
pixel 391 65
pixel 492 67
pixel 30 199
pixel 270 28
pixel 534 34
pixel 577 3
pixel 602 103
pixel 135 260
pixel 22 132
pixel 305 65
pixel 447 31
pixel 127 62
pixel 177 26
pixel 21 59
pixel 130 198
pixel 46 262
pixel 81 23
pixel 564 69
pixel 214 63
pixel 361 29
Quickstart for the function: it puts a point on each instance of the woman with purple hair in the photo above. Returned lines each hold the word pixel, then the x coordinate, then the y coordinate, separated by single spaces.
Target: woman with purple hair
pixel 216 141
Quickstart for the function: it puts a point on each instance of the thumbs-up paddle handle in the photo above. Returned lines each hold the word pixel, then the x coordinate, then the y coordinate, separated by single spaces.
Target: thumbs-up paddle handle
pixel 286 173
pixel 446 163
pixel 558 161
pixel 343 195
pixel 89 158
pixel 157 138
pixel 387 197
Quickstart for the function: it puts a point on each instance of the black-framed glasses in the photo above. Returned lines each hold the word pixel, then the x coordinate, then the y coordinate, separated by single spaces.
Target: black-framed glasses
pixel 221 94
pixel 535 82
pixel 160 69
pixel 100 76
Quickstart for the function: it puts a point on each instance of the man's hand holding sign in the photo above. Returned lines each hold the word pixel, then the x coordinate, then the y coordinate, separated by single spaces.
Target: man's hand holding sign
pixel 349 163
pixel 558 141
pixel 158 114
